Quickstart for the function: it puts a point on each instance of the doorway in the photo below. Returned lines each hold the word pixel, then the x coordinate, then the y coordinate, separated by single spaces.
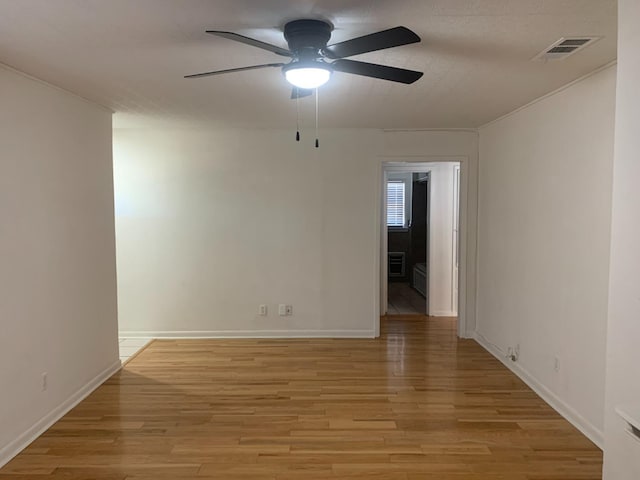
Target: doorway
pixel 408 242
pixel 420 261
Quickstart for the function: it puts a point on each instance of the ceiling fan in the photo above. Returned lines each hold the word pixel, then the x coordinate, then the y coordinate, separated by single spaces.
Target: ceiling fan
pixel 312 61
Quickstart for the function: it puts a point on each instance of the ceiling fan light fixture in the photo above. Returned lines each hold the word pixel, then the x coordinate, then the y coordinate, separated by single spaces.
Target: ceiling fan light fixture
pixel 307 75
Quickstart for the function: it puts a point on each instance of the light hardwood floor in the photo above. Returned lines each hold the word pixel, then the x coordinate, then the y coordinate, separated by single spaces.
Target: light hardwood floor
pixel 415 404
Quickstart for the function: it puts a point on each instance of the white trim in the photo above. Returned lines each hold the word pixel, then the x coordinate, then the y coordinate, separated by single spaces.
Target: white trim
pixel 381 253
pixel 452 130
pixel 399 162
pixel 455 240
pixel 54 87
pixel 378 265
pixel 631 415
pixel 590 431
pixel 250 334
pixel 551 94
pixel 419 163
pixel 38 428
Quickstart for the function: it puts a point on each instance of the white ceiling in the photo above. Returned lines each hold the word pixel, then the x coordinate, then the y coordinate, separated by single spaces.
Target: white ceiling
pixel 131 55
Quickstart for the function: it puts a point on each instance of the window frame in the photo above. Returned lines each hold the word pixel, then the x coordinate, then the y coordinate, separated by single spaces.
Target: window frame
pixel 407 180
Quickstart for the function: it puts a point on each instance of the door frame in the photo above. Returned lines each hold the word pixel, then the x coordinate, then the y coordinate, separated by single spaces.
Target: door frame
pixel 455 267
pixel 419 164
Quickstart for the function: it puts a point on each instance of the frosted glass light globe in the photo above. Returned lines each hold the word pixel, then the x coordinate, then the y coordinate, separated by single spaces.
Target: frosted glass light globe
pixel 307 77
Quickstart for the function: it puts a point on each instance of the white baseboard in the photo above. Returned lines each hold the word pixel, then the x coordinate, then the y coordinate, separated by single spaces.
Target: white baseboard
pixel 250 334
pixel 559 405
pixel 468 335
pixel 15 447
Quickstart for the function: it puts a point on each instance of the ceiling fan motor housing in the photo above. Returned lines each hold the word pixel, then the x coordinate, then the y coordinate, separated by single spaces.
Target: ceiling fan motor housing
pixel 307 38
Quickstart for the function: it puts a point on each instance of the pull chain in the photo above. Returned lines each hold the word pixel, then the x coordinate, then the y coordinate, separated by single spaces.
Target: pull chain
pixel 297 115
pixel 317 103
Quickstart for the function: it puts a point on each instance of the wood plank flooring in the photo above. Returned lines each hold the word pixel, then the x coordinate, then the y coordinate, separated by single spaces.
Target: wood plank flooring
pixel 416 403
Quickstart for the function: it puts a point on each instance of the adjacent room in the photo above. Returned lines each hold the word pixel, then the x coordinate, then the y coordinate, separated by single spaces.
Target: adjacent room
pixel 283 239
pixel 422 221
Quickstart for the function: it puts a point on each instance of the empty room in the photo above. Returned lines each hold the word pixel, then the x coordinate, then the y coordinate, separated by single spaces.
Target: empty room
pixel 282 240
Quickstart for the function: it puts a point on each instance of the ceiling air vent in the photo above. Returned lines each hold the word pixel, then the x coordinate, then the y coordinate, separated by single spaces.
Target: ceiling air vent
pixel 565 47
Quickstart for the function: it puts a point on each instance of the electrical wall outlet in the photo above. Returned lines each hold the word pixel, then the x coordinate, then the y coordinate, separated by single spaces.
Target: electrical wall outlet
pixel 44 381
pixel 556 364
pixel 262 310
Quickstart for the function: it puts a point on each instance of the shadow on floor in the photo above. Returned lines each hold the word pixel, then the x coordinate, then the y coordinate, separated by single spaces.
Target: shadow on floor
pixel 404 300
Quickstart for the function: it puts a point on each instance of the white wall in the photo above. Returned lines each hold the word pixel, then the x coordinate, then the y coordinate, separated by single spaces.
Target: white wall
pixel 441 241
pixel 57 280
pixel 622 459
pixel 543 243
pixel 211 224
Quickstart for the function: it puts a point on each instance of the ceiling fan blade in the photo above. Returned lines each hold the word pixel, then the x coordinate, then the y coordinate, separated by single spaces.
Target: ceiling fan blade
pixel 232 70
pixel 373 70
pixel 300 93
pixel 253 42
pixel 394 37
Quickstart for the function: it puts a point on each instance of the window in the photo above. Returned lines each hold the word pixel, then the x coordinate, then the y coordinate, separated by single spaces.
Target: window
pixel 396 208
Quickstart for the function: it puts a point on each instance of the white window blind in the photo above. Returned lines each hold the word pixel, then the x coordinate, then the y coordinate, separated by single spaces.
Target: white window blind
pixel 395 204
